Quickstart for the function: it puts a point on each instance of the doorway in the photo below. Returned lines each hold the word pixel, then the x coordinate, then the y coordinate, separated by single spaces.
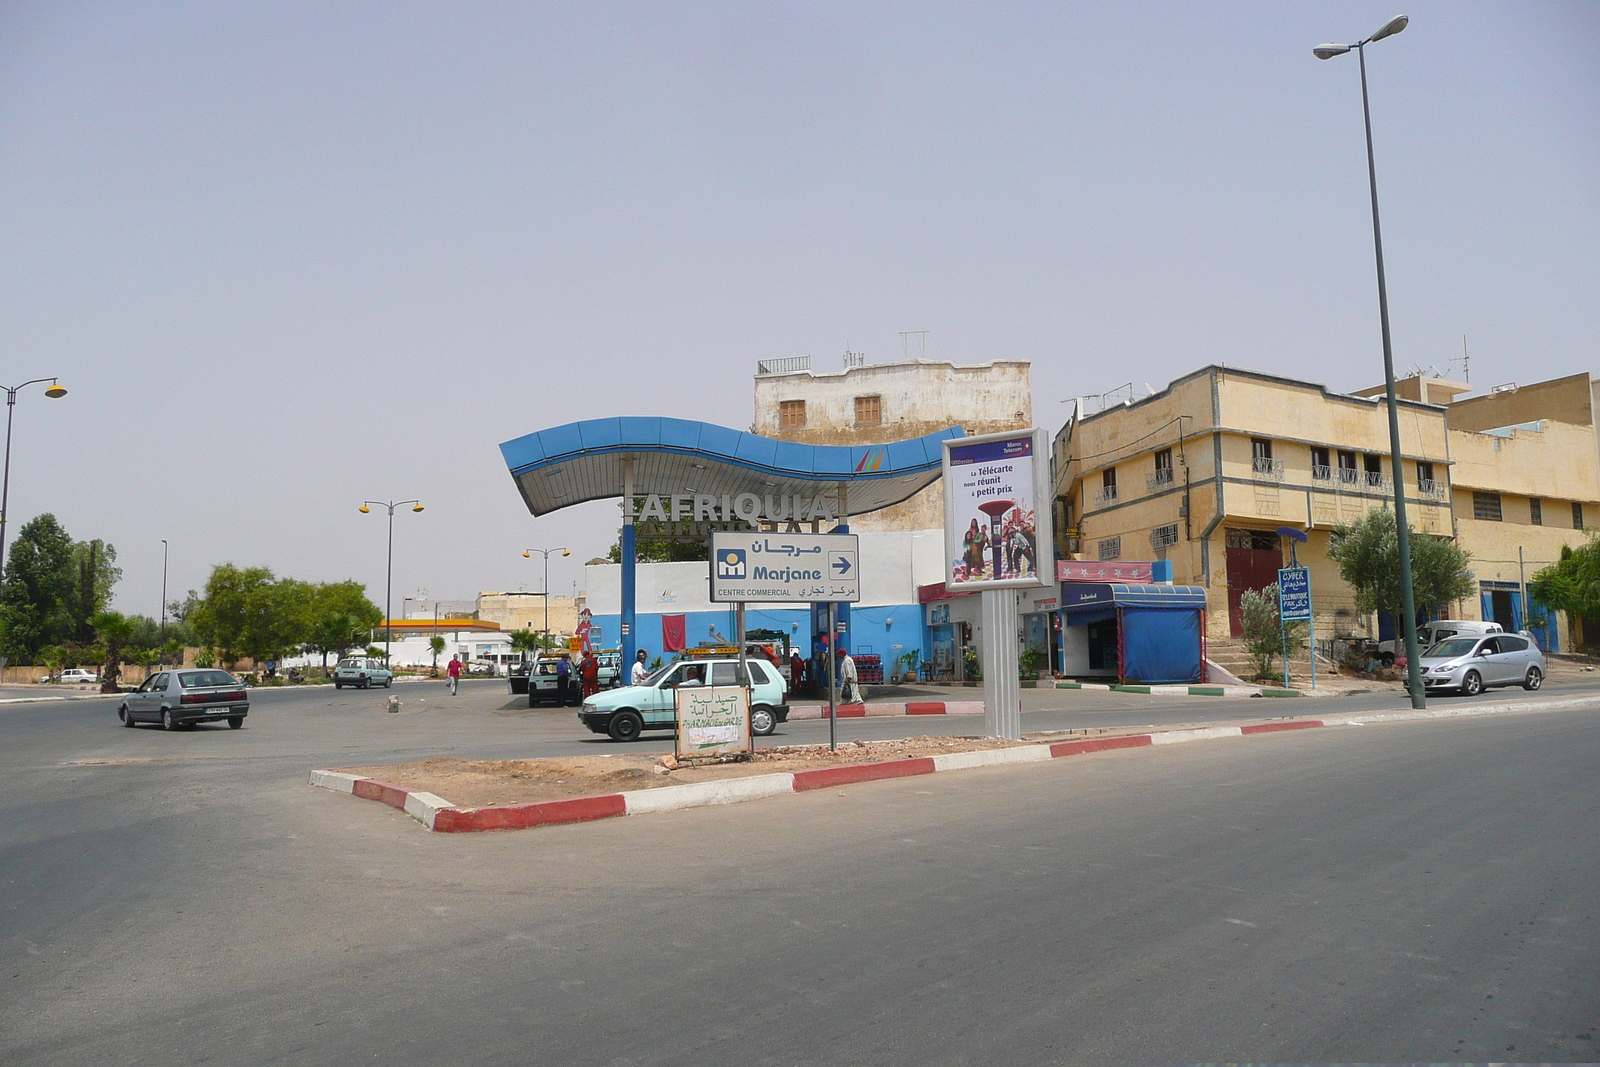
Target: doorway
pixel 1253 559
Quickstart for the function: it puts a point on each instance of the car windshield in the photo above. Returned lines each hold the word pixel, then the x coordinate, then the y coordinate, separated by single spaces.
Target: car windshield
pixel 205 679
pixel 1456 646
pixel 656 675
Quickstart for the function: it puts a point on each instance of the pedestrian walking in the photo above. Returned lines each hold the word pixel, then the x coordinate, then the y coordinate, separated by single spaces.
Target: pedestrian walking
pixel 454 671
pixel 849 687
pixel 639 670
pixel 797 671
pixel 563 676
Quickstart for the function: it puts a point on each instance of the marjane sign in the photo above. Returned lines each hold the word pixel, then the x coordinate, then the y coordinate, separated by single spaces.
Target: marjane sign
pixel 997 511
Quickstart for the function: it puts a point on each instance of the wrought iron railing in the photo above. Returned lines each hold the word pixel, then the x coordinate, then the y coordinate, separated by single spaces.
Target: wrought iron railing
pixel 787 365
pixel 1105 495
pixel 1161 479
pixel 1266 470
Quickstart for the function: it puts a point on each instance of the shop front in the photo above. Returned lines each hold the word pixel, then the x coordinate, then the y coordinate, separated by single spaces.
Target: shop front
pixel 1133 633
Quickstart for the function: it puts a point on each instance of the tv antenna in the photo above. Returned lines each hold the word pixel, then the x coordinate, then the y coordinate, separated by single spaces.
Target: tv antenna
pixel 922 342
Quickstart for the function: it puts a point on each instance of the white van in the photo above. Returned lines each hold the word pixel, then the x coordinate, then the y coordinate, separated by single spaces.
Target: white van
pixel 1431 633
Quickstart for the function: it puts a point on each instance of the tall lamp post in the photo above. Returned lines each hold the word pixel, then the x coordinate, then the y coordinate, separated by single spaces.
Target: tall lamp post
pixel 1402 529
pixel 545 552
pixel 163 595
pixel 54 392
pixel 388 581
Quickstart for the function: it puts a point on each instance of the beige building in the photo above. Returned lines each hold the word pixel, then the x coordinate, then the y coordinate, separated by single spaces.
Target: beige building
pixel 523 610
pixel 1205 472
pixel 876 404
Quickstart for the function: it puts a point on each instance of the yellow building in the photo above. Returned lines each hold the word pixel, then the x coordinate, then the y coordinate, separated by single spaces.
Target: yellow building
pixel 1205 472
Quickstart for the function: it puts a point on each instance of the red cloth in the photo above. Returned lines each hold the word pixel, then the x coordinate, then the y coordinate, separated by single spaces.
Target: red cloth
pixel 674 633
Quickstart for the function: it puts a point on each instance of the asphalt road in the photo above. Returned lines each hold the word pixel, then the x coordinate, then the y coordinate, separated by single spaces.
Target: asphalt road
pixel 1419 891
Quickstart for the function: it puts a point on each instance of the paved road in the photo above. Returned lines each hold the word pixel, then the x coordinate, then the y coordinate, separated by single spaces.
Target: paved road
pixel 1401 892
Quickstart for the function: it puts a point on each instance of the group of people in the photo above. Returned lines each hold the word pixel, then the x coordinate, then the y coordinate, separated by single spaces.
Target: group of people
pixel 813 675
pixel 1019 550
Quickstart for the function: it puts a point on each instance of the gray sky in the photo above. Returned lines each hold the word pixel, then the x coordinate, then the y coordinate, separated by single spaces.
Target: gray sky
pixel 289 256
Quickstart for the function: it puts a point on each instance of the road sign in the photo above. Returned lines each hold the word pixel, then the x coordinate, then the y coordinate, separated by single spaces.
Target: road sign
pixel 1294 594
pixel 785 568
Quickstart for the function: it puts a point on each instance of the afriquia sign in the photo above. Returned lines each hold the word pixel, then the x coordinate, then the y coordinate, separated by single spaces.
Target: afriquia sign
pixel 744 507
pixel 789 568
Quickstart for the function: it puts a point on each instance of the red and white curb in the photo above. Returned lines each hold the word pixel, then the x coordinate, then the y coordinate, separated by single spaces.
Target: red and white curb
pixel 440 815
pixel 889 707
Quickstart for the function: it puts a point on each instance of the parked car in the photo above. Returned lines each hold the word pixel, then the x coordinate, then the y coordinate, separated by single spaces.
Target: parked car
pixel 78 676
pixel 538 681
pixel 182 698
pixel 1431 633
pixel 362 673
pixel 1472 664
pixel 652 705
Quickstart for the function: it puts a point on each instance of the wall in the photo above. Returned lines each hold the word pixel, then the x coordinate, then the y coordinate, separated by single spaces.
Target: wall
pixel 917 397
pixel 525 611
pixel 1565 400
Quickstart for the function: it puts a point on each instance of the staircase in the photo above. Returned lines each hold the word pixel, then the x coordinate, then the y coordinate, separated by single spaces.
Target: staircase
pixel 1230 655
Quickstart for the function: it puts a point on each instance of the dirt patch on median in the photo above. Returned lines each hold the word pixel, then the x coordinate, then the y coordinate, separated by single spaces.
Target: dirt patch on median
pixel 480 783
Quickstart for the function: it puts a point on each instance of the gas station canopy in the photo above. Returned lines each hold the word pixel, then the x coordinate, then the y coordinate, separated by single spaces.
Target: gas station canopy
pixel 582 461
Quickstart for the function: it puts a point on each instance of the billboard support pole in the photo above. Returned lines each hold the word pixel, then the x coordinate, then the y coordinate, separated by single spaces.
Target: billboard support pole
pixel 1002 710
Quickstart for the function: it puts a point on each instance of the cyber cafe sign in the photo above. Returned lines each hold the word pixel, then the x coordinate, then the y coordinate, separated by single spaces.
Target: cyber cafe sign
pixel 744 507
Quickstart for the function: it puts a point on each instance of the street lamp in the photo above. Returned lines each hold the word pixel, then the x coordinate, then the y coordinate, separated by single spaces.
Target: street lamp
pixel 1402 529
pixel 527 553
pixel 54 392
pixel 163 593
pixel 388 581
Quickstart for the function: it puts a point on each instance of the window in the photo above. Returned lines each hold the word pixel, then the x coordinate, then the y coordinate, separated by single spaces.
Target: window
pixel 1486 506
pixel 1260 448
pixel 1512 644
pixel 723 673
pixel 1347 467
pixel 791 414
pixel 1164 536
pixel 1577 515
pixel 1536 511
pixel 1111 548
pixel 1164 467
pixel 1261 463
pixel 1424 471
pixel 1321 468
pixel 869 410
pixel 1372 468
pixel 1108 484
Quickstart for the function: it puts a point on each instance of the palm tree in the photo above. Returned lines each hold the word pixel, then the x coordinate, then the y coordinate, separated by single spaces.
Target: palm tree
pixel 115 629
pixel 436 646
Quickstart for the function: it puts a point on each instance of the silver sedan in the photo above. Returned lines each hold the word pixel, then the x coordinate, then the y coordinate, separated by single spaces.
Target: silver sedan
pixel 1473 664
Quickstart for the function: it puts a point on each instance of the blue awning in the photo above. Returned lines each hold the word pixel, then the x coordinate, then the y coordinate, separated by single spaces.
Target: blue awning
pixel 581 461
pixel 1077 597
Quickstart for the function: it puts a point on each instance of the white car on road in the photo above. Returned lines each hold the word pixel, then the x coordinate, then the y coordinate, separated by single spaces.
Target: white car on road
pixel 78 676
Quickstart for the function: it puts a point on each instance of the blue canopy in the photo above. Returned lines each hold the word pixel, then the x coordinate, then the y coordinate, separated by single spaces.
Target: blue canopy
pixel 1159 639
pixel 1096 597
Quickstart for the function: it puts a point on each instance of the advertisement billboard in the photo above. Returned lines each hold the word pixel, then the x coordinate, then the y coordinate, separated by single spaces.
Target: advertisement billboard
pixel 997 511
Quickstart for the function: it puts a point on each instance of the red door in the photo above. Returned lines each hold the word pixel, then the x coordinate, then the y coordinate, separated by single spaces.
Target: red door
pixel 1253 558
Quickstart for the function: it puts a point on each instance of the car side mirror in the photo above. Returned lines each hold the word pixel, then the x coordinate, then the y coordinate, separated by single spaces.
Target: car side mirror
pixel 1482 652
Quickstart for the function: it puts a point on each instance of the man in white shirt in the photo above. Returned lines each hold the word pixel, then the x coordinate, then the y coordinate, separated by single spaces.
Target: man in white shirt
pixel 639 671
pixel 850 690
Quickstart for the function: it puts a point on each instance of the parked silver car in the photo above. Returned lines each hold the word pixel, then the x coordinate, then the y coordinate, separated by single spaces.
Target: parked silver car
pixel 1473 664
pixel 182 698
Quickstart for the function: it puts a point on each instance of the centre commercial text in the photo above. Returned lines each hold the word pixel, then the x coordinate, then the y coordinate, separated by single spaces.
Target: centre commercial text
pixel 747 507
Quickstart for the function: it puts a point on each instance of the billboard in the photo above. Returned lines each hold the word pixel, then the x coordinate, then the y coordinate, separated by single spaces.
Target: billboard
pixel 997 511
pixel 793 568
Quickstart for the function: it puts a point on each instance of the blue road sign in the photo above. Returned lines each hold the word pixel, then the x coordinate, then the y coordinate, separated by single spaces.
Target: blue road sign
pixel 1294 594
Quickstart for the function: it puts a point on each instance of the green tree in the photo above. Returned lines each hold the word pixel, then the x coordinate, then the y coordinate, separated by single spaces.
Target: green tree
pixel 1264 637
pixel 234 612
pixel 684 549
pixel 36 602
pixel 340 615
pixel 436 646
pixel 1572 583
pixel 114 630
pixel 1367 553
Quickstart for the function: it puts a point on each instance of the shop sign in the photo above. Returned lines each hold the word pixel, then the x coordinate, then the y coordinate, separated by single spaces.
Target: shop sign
pixel 1131 571
pixel 785 568
pixel 747 508
pixel 996 510
pixel 713 721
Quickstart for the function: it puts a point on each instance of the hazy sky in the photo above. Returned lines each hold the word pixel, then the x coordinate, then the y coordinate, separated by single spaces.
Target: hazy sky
pixel 289 256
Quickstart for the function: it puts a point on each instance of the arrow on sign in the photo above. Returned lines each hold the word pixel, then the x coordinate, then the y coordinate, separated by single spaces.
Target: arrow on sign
pixel 842 565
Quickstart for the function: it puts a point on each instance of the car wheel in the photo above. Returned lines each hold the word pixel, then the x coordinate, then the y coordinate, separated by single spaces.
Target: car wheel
pixel 389 683
pixel 1534 679
pixel 126 716
pixel 1472 684
pixel 338 685
pixel 762 720
pixel 625 726
pixel 235 721
pixel 167 721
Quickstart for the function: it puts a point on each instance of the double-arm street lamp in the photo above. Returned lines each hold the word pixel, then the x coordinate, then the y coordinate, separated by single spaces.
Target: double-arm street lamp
pixel 388 581
pixel 545 552
pixel 1408 599
pixel 54 392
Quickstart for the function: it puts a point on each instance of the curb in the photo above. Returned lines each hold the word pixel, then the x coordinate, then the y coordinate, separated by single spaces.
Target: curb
pixel 915 707
pixel 441 816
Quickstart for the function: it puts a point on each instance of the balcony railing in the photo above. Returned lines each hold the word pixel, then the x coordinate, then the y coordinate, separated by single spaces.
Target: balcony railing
pixel 1321 472
pixel 1266 470
pixel 1105 496
pixel 1376 480
pixel 1161 479
pixel 1429 489
pixel 787 365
